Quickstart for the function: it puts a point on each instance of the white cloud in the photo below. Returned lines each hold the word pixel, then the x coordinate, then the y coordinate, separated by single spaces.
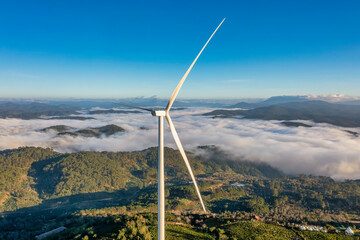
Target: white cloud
pixel 332 97
pixel 320 150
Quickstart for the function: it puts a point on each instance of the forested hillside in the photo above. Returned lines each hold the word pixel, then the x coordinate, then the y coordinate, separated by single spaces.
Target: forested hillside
pixel 86 191
pixel 30 175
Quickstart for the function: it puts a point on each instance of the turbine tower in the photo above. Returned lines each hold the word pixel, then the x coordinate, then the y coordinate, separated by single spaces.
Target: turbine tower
pixel 161 114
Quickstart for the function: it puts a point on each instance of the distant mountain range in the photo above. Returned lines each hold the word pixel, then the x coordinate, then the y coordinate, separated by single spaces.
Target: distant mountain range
pixel 285 99
pixel 354 102
pixel 270 101
pixel 34 110
pixel 49 111
pixel 317 111
pixel 140 101
pixel 275 108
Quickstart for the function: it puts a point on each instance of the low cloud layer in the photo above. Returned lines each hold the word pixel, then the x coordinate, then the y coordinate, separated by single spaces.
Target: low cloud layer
pixel 320 150
pixel 333 97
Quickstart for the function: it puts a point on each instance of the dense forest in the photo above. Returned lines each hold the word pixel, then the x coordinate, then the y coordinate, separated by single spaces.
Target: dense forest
pixel 56 189
pixel 30 175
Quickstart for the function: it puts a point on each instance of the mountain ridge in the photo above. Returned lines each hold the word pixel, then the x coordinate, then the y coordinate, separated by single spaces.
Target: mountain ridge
pixel 34 110
pixel 315 110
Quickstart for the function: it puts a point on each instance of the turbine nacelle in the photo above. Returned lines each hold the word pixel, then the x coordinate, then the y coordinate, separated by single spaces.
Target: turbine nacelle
pixel 159 113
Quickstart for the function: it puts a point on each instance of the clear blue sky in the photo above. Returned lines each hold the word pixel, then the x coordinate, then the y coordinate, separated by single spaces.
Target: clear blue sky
pixel 115 49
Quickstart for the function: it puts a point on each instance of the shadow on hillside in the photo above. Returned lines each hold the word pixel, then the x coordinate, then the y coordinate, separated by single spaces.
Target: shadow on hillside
pixel 220 206
pixel 25 223
pixel 68 204
pixel 45 183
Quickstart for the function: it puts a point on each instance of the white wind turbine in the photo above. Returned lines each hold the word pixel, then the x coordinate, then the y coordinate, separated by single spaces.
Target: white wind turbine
pixel 161 114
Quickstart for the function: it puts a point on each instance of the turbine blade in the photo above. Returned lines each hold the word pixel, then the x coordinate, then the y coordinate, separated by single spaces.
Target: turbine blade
pixel 145 109
pixel 177 89
pixel 182 152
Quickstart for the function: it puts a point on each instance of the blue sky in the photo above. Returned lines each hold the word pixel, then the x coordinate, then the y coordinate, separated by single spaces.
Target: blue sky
pixel 116 49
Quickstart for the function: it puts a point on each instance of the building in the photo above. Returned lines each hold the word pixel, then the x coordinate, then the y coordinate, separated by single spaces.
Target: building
pixel 57 230
pixel 349 232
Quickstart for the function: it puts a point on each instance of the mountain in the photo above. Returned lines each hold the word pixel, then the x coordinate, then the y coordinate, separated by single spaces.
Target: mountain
pixel 352 102
pixel 71 118
pixel 317 111
pixel 225 161
pixel 244 105
pixel 34 110
pixel 30 175
pixel 107 130
pixel 283 99
pixel 109 111
pixel 270 101
pixel 295 124
pixel 57 128
pixel 141 102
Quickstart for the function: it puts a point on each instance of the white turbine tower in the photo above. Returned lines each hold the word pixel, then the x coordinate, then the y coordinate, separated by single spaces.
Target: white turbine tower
pixel 161 114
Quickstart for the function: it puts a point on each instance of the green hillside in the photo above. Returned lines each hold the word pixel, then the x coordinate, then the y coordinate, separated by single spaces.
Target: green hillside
pixel 200 227
pixel 30 175
pixel 102 195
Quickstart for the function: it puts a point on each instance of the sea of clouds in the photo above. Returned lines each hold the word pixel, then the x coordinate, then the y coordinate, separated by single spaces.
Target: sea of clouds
pixel 321 150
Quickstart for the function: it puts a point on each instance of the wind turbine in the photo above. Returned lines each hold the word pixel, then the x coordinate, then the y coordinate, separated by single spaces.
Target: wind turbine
pixel 161 114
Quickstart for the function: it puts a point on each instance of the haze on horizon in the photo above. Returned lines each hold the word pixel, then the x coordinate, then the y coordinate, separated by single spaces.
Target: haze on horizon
pixel 92 49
